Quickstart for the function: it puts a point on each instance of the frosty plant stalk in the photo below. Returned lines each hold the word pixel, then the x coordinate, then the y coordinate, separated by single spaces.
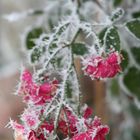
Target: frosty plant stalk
pixel 52 92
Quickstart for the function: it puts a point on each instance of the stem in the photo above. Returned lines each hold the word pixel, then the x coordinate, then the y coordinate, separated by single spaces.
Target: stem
pixel 79 3
pixel 78 6
pixel 64 81
pixel 66 75
pixel 58 49
pixel 51 57
pixel 75 37
pixel 87 28
pixel 49 109
pixel 67 121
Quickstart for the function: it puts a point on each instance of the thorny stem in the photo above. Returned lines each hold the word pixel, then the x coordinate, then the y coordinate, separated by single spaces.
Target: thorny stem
pixel 75 37
pixel 66 75
pixel 78 6
pixel 52 56
pixel 71 64
pixel 48 110
pixel 67 121
pixel 58 49
pixel 64 81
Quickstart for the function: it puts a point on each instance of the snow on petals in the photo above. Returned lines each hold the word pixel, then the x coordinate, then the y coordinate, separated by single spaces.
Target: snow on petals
pixel 96 132
pixel 38 120
pixel 100 67
pixel 16 126
pixel 33 92
pixel 31 117
pixel 88 112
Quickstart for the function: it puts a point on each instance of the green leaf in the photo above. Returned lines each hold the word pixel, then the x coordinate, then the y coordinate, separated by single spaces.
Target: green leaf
pixel 62 29
pixel 134 111
pixel 38 12
pixel 112 39
pixel 79 49
pixel 125 60
pixel 36 54
pixel 56 62
pixel 136 54
pixel 32 34
pixel 117 14
pixel 136 135
pixel 136 14
pixel 101 35
pixel 132 81
pixel 108 137
pixel 117 2
pixel 134 27
pixel 68 90
pixel 115 90
pixel 52 47
pixel 51 25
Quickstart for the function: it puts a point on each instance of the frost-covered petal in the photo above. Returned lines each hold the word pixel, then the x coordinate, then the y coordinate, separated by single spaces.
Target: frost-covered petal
pixel 103 67
pixel 88 112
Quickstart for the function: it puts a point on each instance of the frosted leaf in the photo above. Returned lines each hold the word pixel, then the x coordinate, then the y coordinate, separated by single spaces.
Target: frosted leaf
pixel 133 27
pixel 89 6
pixel 87 28
pixel 112 40
pixel 128 93
pixel 117 14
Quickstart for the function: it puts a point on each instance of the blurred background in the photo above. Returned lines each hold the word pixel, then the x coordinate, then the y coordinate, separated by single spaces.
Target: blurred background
pixel 11 58
pixel 108 99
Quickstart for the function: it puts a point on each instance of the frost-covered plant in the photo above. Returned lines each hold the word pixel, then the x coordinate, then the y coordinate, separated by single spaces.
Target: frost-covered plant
pixel 54 112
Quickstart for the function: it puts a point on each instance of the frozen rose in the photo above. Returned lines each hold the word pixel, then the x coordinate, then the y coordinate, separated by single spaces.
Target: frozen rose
pixel 35 93
pixel 103 67
pixel 97 131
